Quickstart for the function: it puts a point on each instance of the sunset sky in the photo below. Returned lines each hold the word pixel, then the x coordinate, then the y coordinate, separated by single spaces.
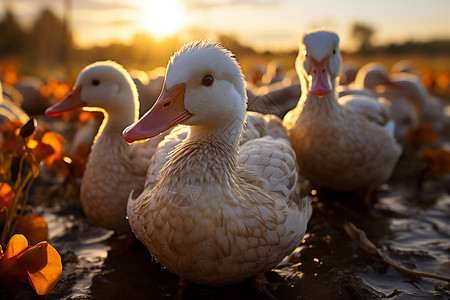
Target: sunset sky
pixel 264 24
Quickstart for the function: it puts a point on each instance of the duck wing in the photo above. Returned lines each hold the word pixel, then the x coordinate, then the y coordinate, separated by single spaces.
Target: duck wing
pixel 370 107
pixel 259 125
pixel 274 163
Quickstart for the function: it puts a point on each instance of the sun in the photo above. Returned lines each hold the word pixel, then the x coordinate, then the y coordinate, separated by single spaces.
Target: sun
pixel 160 18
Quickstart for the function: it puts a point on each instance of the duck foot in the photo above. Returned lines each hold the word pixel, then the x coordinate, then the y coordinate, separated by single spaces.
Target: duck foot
pixel 367 197
pixel 262 286
pixel 182 287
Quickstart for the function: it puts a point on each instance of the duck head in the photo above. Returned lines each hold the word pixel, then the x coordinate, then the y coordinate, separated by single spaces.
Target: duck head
pixel 203 88
pixel 319 62
pixel 103 85
pixel 372 75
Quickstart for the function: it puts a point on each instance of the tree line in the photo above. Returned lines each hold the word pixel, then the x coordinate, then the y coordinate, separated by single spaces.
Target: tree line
pixel 49 46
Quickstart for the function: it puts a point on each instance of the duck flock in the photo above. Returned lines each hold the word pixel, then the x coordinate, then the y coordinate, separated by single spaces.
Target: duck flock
pixel 211 177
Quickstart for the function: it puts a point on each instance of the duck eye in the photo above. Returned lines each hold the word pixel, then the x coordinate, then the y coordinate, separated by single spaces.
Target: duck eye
pixel 207 80
pixel 95 82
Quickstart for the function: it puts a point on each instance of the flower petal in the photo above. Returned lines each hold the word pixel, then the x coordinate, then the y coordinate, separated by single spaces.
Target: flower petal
pixel 35 258
pixel 16 245
pixel 56 141
pixel 11 270
pixel 44 280
pixel 34 228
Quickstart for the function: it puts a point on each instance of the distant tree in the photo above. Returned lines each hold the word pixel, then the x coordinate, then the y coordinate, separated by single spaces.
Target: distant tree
pixel 431 47
pixel 49 37
pixel 232 43
pixel 363 34
pixel 12 38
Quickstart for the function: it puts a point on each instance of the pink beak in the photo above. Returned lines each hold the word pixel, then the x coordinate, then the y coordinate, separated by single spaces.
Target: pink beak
pixel 320 82
pixel 167 112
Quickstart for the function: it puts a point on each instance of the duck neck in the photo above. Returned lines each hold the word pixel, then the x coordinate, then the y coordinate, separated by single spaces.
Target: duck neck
pixel 326 105
pixel 208 156
pixel 419 97
pixel 113 124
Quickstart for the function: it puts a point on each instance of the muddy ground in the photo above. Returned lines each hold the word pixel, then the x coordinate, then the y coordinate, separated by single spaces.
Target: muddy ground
pixel 409 222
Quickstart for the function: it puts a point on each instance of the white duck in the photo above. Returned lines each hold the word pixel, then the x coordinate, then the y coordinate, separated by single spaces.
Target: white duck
pixel 337 146
pixel 114 168
pixel 428 109
pixel 373 80
pixel 367 79
pixel 218 213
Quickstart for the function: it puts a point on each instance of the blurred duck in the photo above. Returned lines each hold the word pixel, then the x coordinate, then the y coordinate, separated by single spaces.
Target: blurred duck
pixel 274 72
pixel 149 86
pixel 219 212
pixel 30 88
pixel 373 80
pixel 402 66
pixel 427 108
pixel 10 110
pixel 114 168
pixel 276 99
pixel 411 104
pixel 338 147
pixel 366 81
pixel 348 74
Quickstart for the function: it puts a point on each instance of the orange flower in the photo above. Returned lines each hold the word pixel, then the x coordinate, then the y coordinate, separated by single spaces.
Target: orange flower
pixel 437 160
pixel 61 91
pixel 54 88
pixel 56 141
pixel 10 132
pixel 41 264
pixel 423 135
pixel 9 70
pixel 6 200
pixel 49 148
pixel 6 195
pixel 34 228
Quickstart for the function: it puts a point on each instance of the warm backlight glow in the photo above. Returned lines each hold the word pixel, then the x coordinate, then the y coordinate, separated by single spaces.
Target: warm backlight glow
pixel 160 18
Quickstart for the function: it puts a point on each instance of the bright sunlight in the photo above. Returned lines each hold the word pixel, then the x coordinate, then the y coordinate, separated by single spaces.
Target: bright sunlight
pixel 160 18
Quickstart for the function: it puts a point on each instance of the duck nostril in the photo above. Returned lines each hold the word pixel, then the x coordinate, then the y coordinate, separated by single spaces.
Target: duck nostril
pixel 166 104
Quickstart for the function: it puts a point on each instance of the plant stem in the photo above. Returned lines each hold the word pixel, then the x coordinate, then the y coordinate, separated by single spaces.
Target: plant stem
pixel 415 273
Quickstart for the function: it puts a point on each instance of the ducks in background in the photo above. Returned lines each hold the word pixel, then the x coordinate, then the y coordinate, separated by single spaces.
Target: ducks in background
pixel 219 212
pixel 368 82
pixel 277 94
pixel 114 168
pixel 10 108
pixel 149 86
pixel 348 73
pixel 274 72
pixel 276 99
pixel 426 108
pixel 337 146
pixel 410 103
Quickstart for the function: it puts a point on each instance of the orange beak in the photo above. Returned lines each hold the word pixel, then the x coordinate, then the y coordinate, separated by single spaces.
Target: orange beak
pixel 71 102
pixel 167 112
